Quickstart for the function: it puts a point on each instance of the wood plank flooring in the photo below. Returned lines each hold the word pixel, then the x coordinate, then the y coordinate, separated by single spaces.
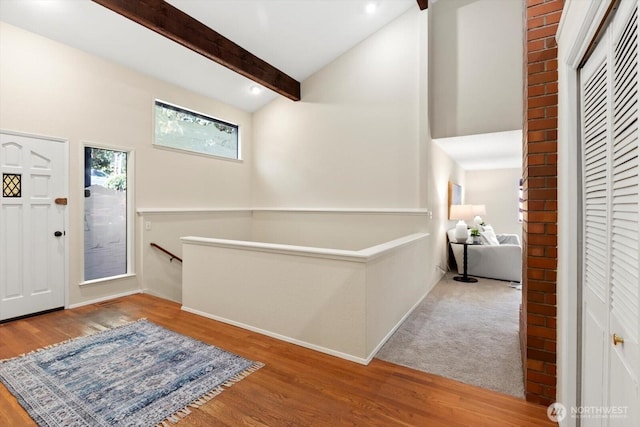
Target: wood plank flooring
pixel 297 387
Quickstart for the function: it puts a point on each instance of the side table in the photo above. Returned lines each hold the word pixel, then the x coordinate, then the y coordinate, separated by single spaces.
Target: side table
pixel 465 277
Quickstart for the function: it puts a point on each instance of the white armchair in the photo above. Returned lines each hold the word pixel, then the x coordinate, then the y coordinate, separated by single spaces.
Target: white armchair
pixel 502 262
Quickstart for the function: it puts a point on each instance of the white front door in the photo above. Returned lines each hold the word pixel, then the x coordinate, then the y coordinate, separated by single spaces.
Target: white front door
pixel 32 224
pixel 610 101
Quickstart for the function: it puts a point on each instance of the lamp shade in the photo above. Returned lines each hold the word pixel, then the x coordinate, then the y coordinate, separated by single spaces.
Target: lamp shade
pixel 462 212
pixel 479 210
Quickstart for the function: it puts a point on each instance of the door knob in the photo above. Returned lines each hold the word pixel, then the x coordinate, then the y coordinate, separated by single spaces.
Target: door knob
pixel 617 339
pixel 58 233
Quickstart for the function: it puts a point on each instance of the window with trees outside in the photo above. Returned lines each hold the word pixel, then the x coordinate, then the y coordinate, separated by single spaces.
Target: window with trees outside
pixel 105 213
pixel 182 129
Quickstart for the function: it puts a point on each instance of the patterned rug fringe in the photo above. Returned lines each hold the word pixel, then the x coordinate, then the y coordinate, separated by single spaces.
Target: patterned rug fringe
pixel 244 374
pixel 213 393
pixel 50 346
pixel 175 417
pixel 207 397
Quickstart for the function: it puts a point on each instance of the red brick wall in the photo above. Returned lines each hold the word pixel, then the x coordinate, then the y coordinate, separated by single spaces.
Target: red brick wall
pixel 540 154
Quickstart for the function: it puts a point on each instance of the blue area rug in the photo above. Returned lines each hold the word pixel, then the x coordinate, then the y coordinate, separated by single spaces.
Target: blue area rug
pixel 139 374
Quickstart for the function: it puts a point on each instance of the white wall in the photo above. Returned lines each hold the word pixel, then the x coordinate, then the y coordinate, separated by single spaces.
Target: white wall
pixel 341 302
pixel 311 301
pixel 360 136
pixel 352 141
pixel 497 189
pixel 335 230
pixel 475 53
pixel 54 90
pixel 338 229
pixel 156 274
pixel 443 169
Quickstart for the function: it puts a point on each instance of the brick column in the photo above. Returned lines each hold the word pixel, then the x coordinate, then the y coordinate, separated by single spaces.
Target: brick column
pixel 540 154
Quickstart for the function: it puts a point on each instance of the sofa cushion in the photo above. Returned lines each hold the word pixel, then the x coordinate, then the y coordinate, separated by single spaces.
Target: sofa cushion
pixel 488 237
pixel 488 227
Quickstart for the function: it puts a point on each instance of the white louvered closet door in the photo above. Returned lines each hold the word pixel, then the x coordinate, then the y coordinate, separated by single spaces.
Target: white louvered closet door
pixel 625 229
pixel 596 125
pixel 611 228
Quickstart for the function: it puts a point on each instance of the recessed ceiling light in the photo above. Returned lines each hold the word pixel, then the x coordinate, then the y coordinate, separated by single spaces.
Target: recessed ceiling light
pixel 371 8
pixel 255 89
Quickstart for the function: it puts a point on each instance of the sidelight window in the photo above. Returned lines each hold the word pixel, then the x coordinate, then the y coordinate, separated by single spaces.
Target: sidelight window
pixel 105 213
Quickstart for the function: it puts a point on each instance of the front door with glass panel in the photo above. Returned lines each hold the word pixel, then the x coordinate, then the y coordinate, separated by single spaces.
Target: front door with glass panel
pixel 32 225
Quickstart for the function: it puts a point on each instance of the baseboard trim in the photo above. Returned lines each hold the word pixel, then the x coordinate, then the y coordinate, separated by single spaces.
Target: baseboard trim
pixel 284 338
pixel 395 328
pixel 26 316
pixel 160 295
pixel 103 299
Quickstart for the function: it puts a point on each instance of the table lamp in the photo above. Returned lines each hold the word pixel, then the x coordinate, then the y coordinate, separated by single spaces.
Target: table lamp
pixel 477 211
pixel 461 213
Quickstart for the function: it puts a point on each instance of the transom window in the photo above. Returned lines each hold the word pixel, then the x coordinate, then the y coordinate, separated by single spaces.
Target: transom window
pixel 182 129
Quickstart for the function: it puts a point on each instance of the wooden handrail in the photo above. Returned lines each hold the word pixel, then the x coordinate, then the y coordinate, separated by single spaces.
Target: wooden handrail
pixel 155 245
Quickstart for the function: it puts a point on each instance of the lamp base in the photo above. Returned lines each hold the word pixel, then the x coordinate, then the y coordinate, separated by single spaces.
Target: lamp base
pixel 461 234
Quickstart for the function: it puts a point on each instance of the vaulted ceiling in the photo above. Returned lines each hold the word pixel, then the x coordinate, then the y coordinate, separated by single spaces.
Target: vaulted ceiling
pixel 294 36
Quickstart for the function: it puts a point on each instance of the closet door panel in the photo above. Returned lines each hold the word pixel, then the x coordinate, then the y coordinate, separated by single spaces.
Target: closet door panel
pixel 596 133
pixel 625 231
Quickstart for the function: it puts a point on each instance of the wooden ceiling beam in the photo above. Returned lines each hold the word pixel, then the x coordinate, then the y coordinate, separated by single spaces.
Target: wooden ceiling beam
pixel 171 22
pixel 423 4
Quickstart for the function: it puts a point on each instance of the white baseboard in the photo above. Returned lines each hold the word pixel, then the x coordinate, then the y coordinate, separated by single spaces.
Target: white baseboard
pixel 394 329
pixel 103 299
pixel 284 338
pixel 159 295
pixel 350 357
pixel 346 356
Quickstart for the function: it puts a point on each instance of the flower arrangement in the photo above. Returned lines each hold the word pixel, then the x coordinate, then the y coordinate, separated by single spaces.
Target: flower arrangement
pixel 475 235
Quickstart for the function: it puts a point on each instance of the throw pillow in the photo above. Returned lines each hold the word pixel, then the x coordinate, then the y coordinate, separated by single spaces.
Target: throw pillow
pixel 488 228
pixel 489 237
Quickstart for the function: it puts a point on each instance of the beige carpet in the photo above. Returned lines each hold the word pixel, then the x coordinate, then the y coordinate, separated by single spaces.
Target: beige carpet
pixel 464 331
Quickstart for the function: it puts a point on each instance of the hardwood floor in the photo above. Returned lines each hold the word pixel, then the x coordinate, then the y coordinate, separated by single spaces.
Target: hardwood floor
pixel 297 387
